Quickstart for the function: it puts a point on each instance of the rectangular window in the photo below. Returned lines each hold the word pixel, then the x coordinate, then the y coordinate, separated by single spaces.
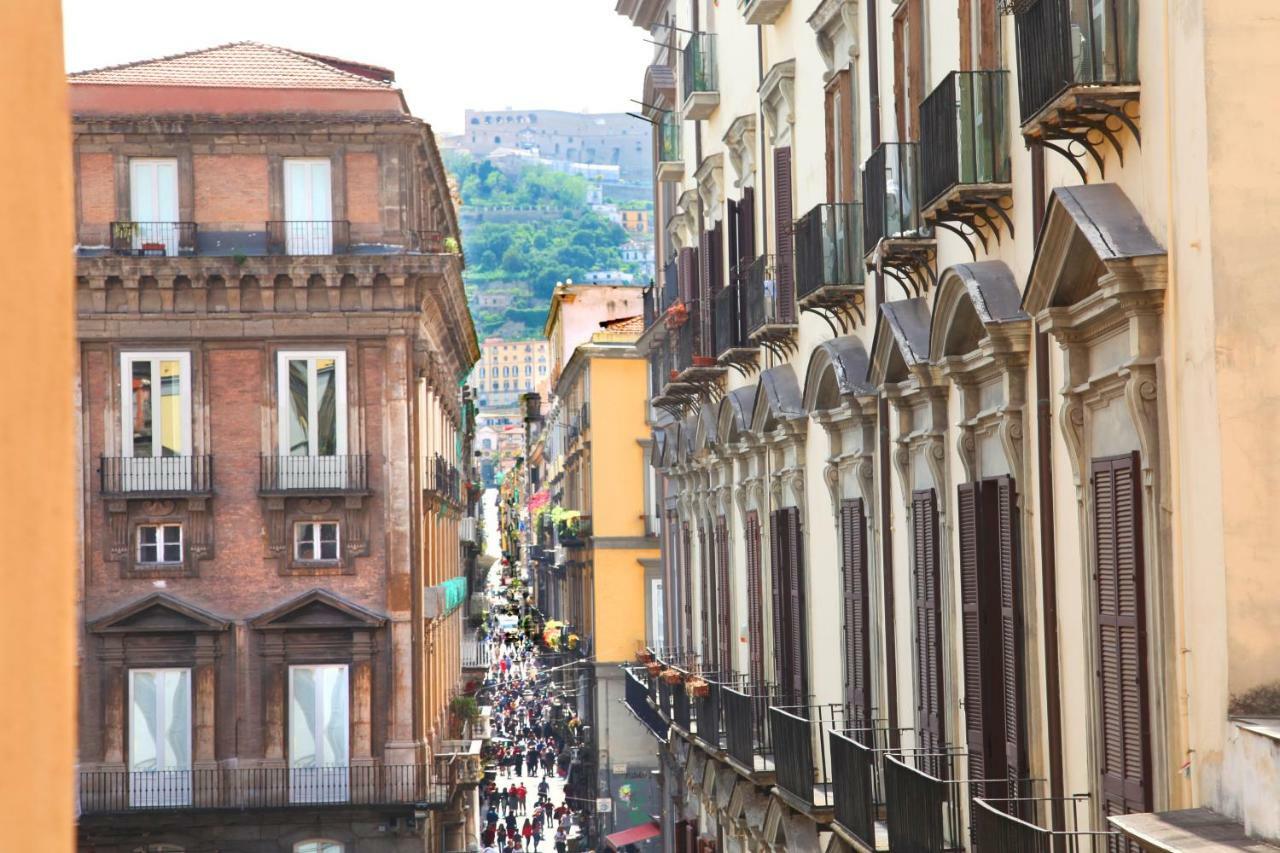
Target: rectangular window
pixel 155 403
pixel 160 737
pixel 153 204
pixel 308 206
pixel 315 541
pixel 313 403
pixel 160 543
pixel 319 721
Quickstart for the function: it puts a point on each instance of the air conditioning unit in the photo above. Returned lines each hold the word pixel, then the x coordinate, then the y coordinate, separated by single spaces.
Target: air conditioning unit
pixel 467 530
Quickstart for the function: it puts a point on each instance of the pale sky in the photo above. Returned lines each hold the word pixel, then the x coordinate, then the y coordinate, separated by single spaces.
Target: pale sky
pixel 448 55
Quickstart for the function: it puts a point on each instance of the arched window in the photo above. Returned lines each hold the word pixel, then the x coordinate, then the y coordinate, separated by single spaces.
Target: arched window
pixel 319 845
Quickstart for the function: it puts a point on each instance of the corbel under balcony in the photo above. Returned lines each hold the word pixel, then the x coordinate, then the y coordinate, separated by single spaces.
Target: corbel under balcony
pixel 757 12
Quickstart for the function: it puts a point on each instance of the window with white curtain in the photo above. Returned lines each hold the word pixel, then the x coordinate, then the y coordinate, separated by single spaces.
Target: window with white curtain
pixel 318 846
pixel 319 726
pixel 160 737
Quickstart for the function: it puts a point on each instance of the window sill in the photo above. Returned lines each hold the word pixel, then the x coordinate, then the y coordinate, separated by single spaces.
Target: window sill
pixel 319 568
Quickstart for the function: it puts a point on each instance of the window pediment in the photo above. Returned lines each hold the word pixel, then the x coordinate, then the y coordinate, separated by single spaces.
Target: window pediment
pixel 835 23
pixel 778 97
pixel 158 613
pixel 710 178
pixel 740 141
pixel 900 349
pixel 318 608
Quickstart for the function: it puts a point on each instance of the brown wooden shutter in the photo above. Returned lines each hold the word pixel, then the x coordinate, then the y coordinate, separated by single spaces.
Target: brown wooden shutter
pixel 908 67
pixel 704 605
pixel 734 218
pixel 797 681
pixel 776 550
pixel 747 227
pixel 1122 653
pixel 1008 560
pixel 829 112
pixel 847 138
pixel 857 625
pixel 724 597
pixel 686 584
pixel 926 584
pixel 785 297
pixel 755 600
pixel 688 274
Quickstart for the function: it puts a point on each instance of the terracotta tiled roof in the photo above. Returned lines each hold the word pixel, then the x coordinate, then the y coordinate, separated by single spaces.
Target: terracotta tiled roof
pixel 242 64
pixel 625 324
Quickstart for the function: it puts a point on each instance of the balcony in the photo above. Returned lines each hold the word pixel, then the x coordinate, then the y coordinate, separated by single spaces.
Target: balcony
pixel 829 268
pixel 926 800
pixel 800 742
pixel 153 239
pixel 444 480
pixel 314 474
pixel 771 318
pixel 155 476
pixel 748 735
pixel 698 71
pixel 1078 75
pixel 637 700
pixel 857 766
pixel 732 346
pixel 670 160
pixel 762 11
pixel 428 242
pixel 120 792
pixel 966 180
pixel 708 707
pixel 1019 826
pixel 695 356
pixel 895 235
pixel 317 237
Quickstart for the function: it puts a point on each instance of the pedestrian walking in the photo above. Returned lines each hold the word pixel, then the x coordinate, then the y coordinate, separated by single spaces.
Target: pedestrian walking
pixel 526 833
pixel 562 839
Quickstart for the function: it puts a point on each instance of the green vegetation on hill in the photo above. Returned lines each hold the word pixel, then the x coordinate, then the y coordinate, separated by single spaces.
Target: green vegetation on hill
pixel 541 249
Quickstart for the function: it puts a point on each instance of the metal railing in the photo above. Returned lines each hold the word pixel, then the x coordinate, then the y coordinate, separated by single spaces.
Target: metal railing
pixel 475 652
pixel 828 248
pixel 963 133
pixel 670 284
pixel 689 344
pixel 729 320
pixel 802 747
pixel 153 239
pixel 106 792
pixel 669 137
pixel 891 195
pixel 1018 826
pixel 857 769
pixel 637 699
pixel 155 475
pixel 348 473
pixel 745 710
pixel 310 237
pixel 698 64
pixel 444 479
pixel 760 296
pixel 925 802
pixel 1062 44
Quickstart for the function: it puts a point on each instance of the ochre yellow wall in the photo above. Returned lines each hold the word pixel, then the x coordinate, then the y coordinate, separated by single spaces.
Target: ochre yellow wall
pixel 619 600
pixel 38 466
pixel 617 459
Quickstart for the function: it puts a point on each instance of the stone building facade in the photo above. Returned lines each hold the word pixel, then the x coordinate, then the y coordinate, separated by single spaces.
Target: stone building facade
pixel 273 457
pixel 959 366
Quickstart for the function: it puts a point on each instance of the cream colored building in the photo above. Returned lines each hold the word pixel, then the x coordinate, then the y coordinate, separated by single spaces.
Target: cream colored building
pixel 963 398
pixel 508 369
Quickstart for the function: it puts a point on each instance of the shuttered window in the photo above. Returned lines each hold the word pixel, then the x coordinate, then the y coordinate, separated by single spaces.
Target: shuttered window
pixel 746 227
pixel 788 602
pixel 908 67
pixel 1122 653
pixel 1009 561
pixel 755 600
pixel 783 217
pixel 705 611
pixel 857 620
pixel 775 588
pixel 839 119
pixel 926 604
pixel 724 597
pixel 686 584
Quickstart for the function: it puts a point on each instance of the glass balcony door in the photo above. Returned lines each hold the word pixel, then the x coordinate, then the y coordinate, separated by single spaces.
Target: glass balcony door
pixel 153 205
pixel 313 419
pixel 308 207
pixel 319 719
pixel 156 421
pixel 159 737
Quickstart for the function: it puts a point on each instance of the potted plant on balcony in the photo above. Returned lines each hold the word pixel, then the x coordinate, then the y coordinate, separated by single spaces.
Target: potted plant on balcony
pixel 464 711
pixel 697 687
pixel 672 676
pixel 703 361
pixel 677 314
pixel 653 668
pixel 644 657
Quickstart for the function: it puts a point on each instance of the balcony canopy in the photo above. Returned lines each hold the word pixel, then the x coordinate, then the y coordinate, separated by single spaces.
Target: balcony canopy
pixel 778 399
pixel 634 835
pixel 971 299
pixel 837 369
pixel 734 417
pixel 901 341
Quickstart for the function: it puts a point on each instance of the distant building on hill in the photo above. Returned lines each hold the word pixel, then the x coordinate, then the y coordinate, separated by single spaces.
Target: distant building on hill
pixel 508 369
pixel 602 139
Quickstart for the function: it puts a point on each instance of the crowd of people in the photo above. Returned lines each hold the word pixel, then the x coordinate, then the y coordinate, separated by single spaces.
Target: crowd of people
pixel 534 736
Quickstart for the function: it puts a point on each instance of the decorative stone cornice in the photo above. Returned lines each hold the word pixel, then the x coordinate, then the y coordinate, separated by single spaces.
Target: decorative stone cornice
pixel 835 22
pixel 740 142
pixel 683 225
pixel 778 99
pixel 710 178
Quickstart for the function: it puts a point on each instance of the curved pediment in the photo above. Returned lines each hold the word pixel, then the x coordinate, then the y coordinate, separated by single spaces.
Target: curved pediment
pixel 734 417
pixel 317 609
pixel 972 301
pixel 659 88
pixel 1089 231
pixel 704 437
pixel 901 342
pixel 778 399
pixel 158 612
pixel 837 369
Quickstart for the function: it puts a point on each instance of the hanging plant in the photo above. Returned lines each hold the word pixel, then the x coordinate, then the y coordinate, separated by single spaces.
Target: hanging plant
pixel 653 668
pixel 672 676
pixel 698 688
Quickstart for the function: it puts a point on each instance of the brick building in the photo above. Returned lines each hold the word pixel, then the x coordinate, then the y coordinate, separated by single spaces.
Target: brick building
pixel 271 337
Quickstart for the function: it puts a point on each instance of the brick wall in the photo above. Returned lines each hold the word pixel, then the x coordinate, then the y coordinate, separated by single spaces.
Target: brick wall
pixel 97 197
pixel 363 205
pixel 230 190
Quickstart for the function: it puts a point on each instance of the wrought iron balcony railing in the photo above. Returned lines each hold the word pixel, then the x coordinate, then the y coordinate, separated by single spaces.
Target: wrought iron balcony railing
pixel 769 312
pixel 313 474
pixel 1019 826
pixel 115 792
pixel 925 801
pixel 698 64
pixel 431 242
pixel 829 268
pixel 965 137
pixel 444 480
pixel 891 191
pixel 1064 44
pixel 708 708
pixel 314 237
pixel 730 322
pixel 153 239
pixel 637 699
pixel 155 475
pixel 857 769
pixel 745 709
pixel 801 745
pixel 669 138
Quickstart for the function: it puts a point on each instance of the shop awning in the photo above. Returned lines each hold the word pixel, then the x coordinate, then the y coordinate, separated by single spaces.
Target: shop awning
pixel 635 834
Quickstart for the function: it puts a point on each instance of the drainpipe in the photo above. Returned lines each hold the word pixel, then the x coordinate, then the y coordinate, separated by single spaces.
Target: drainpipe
pixel 1048 556
pixel 882 424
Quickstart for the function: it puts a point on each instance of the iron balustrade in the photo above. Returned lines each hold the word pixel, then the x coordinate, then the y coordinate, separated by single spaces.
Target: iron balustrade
pixel 114 792
pixel 730 321
pixel 708 708
pixel 650 298
pixel 1067 43
pixel 963 133
pixel 670 285
pixel 828 248
pixel 637 699
pixel 1019 826
pixel 689 337
pixel 669 137
pixel 745 710
pixel 924 802
pixel 153 239
pixel 681 707
pixel 891 195
pixel 760 295
pixel 698 64
pixel 344 473
pixel 444 479
pixel 802 748
pixel 155 475
pixel 857 777
pixel 308 237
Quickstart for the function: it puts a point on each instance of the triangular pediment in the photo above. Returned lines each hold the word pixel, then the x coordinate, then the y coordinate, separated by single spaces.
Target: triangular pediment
pixel 317 609
pixel 157 613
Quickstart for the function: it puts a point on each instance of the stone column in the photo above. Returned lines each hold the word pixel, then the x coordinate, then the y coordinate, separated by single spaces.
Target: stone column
pixel 362 698
pixel 206 699
pixel 273 702
pixel 113 701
